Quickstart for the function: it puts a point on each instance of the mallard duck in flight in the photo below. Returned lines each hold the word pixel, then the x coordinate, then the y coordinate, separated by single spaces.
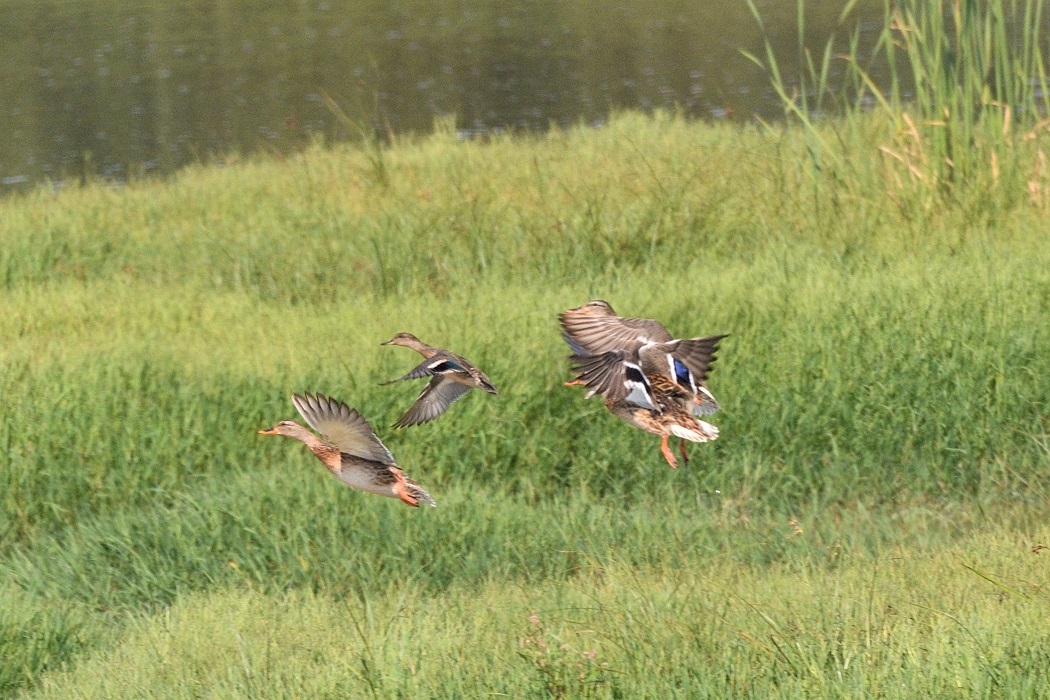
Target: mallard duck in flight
pixel 350 449
pixel 452 377
pixel 647 378
pixel 594 328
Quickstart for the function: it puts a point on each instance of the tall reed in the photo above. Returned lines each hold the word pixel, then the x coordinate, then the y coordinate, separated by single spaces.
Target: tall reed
pixel 951 100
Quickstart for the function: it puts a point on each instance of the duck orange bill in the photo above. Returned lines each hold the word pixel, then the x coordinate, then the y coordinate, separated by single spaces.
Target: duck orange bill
pixel 268 431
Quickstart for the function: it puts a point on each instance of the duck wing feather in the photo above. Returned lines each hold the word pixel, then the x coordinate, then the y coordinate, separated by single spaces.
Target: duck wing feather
pixel 343 426
pixel 597 334
pixel 434 400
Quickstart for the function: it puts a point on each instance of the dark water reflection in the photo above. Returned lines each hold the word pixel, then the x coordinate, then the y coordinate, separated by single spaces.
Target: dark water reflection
pixel 113 88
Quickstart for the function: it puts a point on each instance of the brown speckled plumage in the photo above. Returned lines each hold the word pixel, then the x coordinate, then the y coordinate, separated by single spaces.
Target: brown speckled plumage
pixel 351 450
pixel 646 377
pixel 452 377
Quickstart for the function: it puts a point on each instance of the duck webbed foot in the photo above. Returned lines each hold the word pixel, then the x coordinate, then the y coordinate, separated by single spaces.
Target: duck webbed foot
pixel 668 455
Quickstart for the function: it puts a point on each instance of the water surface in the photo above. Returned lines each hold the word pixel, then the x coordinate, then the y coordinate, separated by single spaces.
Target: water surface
pixel 119 89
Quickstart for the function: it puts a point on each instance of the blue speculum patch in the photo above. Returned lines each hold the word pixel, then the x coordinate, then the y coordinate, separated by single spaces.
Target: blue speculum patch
pixel 446 366
pixel 681 373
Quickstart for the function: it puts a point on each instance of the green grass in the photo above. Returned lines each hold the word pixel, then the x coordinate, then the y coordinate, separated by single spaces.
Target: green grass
pixel 839 624
pixel 823 618
pixel 868 524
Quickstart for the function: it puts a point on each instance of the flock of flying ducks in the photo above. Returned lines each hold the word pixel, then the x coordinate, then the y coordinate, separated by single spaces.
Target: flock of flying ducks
pixel 647 378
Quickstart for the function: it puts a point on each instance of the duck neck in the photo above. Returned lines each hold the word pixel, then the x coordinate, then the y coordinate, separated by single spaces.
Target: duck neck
pixel 420 347
pixel 329 454
pixel 298 432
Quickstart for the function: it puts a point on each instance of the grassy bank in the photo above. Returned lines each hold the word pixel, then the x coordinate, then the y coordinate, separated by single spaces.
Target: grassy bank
pixel 897 625
pixel 868 523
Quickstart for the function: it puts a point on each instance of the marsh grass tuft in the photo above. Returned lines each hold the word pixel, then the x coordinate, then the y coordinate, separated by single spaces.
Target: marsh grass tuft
pixel 950 102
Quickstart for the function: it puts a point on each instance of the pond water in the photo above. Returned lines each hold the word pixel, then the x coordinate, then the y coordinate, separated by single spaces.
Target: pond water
pixel 121 89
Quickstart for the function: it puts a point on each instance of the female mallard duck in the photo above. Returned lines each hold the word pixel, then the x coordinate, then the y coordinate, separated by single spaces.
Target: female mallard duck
pixel 644 389
pixel 648 378
pixel 453 376
pixel 352 452
pixel 594 328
